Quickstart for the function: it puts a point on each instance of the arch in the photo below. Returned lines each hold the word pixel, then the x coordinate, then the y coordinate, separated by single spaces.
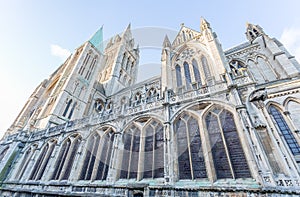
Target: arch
pixel 152 95
pixel 228 156
pixel 285 130
pixel 191 163
pixel 65 159
pixel 98 155
pixel 153 150
pixel 27 156
pixel 143 139
pixel 131 140
pixel 178 75
pixel 42 161
pixel 292 108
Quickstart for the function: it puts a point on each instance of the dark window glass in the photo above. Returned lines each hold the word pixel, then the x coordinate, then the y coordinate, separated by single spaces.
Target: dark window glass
pixel 285 130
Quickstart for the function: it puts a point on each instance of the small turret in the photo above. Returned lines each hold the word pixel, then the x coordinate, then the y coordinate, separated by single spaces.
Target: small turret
pixel 253 31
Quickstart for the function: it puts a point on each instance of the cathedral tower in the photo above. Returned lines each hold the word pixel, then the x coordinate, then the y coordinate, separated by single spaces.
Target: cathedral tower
pixel 121 63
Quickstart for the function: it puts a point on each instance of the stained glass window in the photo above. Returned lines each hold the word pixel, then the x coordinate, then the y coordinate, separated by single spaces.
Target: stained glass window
pixel 191 162
pixel 178 75
pixel 285 130
pixel 196 71
pixel 187 74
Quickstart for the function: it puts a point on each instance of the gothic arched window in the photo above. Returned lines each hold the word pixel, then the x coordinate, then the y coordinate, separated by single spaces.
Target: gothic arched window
pixel 90 157
pixel 137 98
pixel 151 95
pixel 228 156
pixel 178 75
pixel 187 74
pixel 205 67
pixel 153 150
pixel 67 107
pixel 42 161
pixel 131 139
pixel 196 71
pixel 105 155
pixel 83 65
pixel 26 159
pixel 66 158
pixel 285 130
pixel 191 164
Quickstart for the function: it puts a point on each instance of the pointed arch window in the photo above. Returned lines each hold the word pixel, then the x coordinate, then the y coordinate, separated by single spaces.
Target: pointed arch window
pixel 25 162
pixel 227 152
pixel 191 164
pixel 131 152
pixel 285 130
pixel 178 76
pixel 66 158
pixel 85 61
pixel 42 161
pixel 205 67
pixel 67 107
pixel 153 150
pixel 196 71
pixel 187 74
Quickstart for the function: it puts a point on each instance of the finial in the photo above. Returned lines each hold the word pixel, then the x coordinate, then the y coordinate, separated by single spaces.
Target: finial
pixel 182 24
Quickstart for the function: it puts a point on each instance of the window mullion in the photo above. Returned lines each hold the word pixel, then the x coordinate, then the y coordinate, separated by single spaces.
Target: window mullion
pixel 226 148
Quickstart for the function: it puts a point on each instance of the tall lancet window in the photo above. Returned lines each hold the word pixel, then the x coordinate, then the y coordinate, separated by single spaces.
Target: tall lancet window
pixel 66 158
pixel 205 67
pixel 67 107
pixel 196 71
pixel 153 150
pixel 187 74
pixel 131 151
pixel 178 75
pixel 42 161
pixel 285 130
pixel 191 164
pixel 227 152
pixel 97 157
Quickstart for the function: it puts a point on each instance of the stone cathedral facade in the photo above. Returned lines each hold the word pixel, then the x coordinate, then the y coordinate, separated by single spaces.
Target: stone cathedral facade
pixel 214 123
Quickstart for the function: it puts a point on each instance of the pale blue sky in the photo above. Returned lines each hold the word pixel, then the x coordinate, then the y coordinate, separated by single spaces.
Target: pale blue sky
pixel 30 27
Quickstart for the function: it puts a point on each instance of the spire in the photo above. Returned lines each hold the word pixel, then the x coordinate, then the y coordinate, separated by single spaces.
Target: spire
pixel 127 31
pixel 97 39
pixel 166 42
pixel 204 24
pixel 253 31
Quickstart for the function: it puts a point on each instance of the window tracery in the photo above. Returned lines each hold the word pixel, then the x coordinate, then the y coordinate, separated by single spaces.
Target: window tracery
pixel 191 164
pixel 98 156
pixel 42 161
pixel 65 159
pixel 228 155
pixel 152 151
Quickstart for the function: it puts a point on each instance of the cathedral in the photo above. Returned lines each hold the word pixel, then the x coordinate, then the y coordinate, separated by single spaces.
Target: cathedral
pixel 214 123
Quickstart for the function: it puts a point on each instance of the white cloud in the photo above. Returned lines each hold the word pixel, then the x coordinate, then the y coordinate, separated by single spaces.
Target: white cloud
pixel 290 38
pixel 60 52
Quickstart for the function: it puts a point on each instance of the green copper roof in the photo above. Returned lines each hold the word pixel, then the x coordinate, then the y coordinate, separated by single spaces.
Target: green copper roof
pixel 97 39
